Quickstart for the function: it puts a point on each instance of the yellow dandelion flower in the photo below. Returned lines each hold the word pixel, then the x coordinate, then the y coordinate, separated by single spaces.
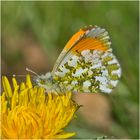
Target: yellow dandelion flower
pixel 28 112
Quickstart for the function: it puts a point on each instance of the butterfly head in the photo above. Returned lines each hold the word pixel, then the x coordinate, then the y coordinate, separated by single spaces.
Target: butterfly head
pixel 43 80
pixel 46 81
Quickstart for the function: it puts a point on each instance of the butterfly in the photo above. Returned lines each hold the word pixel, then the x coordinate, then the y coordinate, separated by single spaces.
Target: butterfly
pixel 86 64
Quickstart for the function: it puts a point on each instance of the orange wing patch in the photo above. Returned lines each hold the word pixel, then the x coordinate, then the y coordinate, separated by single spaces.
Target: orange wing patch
pixel 74 38
pixel 90 44
pixel 82 41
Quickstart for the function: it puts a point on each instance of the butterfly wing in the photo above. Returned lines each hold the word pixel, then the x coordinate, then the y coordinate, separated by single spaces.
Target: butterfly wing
pixel 91 37
pixel 87 64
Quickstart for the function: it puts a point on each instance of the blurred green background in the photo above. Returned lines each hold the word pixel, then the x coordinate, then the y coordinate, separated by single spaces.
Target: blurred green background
pixel 34 33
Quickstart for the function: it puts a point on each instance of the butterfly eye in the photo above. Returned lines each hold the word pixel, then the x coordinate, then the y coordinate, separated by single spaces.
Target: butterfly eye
pixel 36 79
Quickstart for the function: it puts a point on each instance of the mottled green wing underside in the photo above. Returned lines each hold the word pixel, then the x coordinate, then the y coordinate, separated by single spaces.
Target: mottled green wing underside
pixel 89 71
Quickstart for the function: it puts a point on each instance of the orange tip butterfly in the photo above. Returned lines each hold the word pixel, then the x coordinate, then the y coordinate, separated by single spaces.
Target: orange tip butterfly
pixel 86 64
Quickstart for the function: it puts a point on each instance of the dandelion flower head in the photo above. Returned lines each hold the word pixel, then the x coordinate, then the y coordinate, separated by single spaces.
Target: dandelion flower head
pixel 28 112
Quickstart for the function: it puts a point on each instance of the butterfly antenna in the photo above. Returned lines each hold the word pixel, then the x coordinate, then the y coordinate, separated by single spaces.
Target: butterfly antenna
pixel 18 75
pixel 29 70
